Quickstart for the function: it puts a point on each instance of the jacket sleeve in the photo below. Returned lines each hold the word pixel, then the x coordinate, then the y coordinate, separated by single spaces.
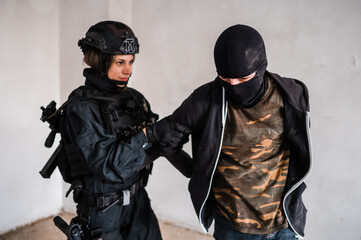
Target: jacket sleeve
pixel 182 162
pixel 179 159
pixel 106 156
pixel 191 113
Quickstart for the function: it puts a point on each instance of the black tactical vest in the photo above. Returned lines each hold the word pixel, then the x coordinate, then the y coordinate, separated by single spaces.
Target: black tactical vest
pixel 123 114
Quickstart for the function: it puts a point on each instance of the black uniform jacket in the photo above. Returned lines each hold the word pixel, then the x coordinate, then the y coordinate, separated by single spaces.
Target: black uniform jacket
pixel 113 164
pixel 205 111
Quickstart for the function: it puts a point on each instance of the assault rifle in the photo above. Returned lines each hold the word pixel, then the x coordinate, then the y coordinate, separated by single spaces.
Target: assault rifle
pixel 51 164
pixel 52 116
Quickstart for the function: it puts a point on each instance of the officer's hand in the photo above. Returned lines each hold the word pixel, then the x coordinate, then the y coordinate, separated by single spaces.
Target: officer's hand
pixel 167 133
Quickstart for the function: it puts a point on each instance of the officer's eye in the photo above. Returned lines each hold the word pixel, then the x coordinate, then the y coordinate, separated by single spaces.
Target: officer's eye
pixel 120 62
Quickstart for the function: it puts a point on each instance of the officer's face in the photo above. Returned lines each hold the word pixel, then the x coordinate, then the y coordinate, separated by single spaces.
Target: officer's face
pixel 236 81
pixel 121 68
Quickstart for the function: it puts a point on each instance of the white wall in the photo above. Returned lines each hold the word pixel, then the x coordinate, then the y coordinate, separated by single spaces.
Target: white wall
pixel 29 64
pixel 309 40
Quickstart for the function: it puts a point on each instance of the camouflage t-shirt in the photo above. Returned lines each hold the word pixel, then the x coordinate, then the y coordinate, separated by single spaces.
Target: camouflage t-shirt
pixel 253 166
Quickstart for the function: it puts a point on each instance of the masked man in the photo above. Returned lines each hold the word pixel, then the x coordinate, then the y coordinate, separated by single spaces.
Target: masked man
pixel 250 144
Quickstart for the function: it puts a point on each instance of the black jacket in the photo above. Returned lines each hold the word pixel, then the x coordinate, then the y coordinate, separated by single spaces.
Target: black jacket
pixel 113 164
pixel 205 111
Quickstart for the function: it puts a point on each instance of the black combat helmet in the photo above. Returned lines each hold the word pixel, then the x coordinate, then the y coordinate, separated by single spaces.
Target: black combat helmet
pixel 110 37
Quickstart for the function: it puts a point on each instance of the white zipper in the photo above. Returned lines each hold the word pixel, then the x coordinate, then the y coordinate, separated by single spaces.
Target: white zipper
pixel 224 116
pixel 306 175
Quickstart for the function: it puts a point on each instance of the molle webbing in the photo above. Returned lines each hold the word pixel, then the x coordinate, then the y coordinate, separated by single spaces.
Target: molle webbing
pixel 123 114
pixel 76 166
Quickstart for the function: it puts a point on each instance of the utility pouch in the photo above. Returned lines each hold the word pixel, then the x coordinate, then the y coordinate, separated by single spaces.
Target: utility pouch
pixel 64 157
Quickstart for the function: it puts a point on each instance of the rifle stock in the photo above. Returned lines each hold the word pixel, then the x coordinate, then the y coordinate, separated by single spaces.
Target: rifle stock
pixel 51 164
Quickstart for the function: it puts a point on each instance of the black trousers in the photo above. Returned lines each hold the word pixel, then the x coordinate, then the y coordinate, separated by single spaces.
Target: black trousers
pixel 135 221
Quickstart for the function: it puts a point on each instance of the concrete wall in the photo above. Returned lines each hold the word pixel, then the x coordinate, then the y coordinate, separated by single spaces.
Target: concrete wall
pixel 309 40
pixel 29 63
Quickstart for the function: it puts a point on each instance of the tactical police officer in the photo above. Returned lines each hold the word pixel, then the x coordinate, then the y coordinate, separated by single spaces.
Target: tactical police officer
pixel 108 156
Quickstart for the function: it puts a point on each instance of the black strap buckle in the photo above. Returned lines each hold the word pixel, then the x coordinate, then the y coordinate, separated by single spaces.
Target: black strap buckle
pixel 102 202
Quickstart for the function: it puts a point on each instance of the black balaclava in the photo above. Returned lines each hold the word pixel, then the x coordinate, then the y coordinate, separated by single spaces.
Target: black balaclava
pixel 239 52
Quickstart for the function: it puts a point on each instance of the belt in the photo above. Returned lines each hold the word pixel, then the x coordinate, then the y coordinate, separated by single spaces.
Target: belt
pixel 106 200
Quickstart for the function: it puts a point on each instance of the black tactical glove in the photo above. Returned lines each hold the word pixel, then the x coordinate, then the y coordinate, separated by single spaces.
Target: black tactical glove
pixel 168 133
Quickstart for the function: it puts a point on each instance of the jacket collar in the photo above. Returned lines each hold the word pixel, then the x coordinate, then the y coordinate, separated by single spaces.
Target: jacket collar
pixel 94 79
pixel 294 91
